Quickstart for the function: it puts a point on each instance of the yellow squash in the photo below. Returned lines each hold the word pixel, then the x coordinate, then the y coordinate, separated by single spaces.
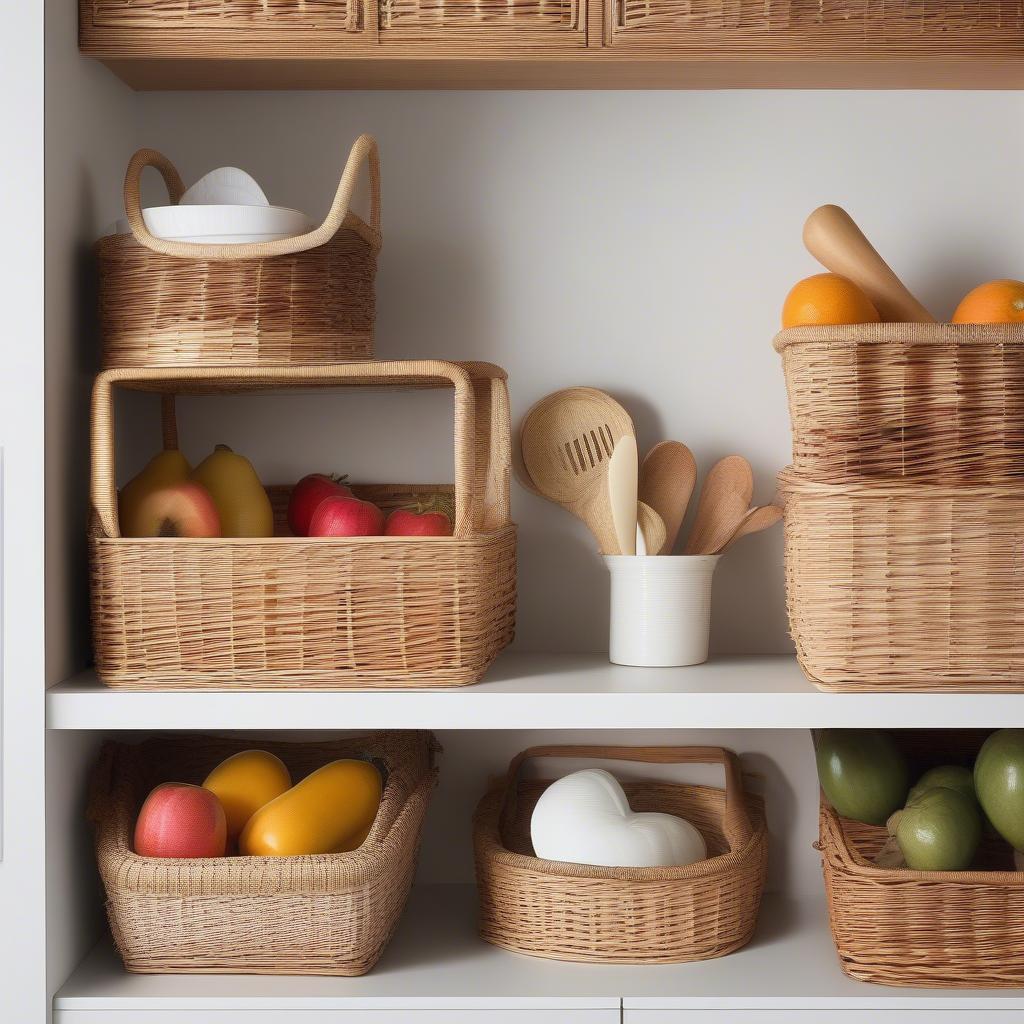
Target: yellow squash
pixel 330 811
pixel 169 467
pixel 242 503
pixel 244 783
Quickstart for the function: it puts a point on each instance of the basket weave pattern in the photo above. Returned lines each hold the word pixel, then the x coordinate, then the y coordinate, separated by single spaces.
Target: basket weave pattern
pixel 328 613
pixel 329 914
pixel 623 915
pixel 344 15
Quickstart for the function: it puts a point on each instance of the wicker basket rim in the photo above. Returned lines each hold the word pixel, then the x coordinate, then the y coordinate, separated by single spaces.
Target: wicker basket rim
pixel 793 481
pixel 486 826
pixel 855 864
pixel 941 334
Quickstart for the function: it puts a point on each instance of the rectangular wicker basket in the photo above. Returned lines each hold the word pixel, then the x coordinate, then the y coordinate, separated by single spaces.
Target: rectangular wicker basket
pixel 623 915
pixel 932 402
pixel 327 914
pixel 904 585
pixel 929 929
pixel 302 612
pixel 298 301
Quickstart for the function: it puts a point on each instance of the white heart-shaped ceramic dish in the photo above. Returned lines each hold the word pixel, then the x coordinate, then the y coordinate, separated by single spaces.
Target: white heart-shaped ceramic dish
pixel 585 818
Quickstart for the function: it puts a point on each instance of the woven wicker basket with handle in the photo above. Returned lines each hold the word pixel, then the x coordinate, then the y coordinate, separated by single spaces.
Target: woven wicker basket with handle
pixel 623 915
pixel 302 300
pixel 280 612
pixel 324 914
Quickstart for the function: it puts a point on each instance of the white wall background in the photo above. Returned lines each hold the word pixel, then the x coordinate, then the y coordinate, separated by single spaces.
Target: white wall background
pixel 641 242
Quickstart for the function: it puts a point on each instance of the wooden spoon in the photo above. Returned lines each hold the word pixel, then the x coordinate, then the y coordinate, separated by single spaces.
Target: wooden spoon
pixel 622 484
pixel 567 443
pixel 650 529
pixel 667 476
pixel 755 520
pixel 835 241
pixel 724 500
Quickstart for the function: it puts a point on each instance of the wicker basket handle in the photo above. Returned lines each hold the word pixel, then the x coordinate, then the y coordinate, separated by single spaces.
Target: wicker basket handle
pixel 103 479
pixel 364 150
pixel 736 825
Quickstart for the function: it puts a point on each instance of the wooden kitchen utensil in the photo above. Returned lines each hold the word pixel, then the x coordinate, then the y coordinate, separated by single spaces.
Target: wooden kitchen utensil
pixel 622 488
pixel 755 520
pixel 666 483
pixel 650 529
pixel 834 240
pixel 567 443
pixel 724 500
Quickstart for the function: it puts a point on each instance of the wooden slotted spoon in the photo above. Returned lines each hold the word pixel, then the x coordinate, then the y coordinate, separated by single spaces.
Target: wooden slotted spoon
pixel 724 501
pixel 667 475
pixel 567 442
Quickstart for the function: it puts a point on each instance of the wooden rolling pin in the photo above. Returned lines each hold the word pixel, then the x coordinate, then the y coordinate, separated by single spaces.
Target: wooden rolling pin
pixel 835 241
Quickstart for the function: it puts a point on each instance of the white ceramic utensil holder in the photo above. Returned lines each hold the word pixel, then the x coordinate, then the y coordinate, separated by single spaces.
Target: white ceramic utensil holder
pixel 660 609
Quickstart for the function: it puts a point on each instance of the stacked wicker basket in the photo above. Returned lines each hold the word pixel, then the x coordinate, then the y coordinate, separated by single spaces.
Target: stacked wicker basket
pixel 905 505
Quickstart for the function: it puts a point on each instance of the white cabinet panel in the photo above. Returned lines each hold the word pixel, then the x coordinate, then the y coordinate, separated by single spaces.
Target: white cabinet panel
pixel 859 1016
pixel 475 1016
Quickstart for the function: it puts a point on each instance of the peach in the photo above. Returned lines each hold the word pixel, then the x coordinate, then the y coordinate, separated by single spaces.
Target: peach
pixel 179 820
pixel 178 510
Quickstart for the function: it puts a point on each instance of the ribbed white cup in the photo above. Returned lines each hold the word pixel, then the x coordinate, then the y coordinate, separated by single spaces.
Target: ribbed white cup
pixel 660 609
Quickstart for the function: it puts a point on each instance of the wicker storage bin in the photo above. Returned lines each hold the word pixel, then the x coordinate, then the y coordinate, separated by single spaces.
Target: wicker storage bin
pixel 307 612
pixel 933 402
pixel 934 929
pixel 905 586
pixel 326 914
pixel 623 915
pixel 299 300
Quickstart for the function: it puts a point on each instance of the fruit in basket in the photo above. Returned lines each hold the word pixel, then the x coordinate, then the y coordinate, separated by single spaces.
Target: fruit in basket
pixel 330 811
pixel 179 820
pixel 939 830
pixel 948 776
pixel 422 521
pixel 236 490
pixel 178 510
pixel 863 773
pixel 999 781
pixel 996 302
pixel 166 468
pixel 827 299
pixel 306 496
pixel 342 515
pixel 244 783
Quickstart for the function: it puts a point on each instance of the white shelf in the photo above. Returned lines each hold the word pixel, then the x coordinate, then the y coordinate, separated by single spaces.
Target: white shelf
pixel 543 691
pixel 437 962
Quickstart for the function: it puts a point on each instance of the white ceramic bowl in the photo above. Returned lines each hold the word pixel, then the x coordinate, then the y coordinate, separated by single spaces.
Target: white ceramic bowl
pixel 223 225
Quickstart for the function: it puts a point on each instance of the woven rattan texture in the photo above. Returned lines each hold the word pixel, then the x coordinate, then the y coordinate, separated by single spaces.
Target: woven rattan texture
pixel 620 915
pixel 330 914
pixel 316 306
pixel 337 15
pixel 906 586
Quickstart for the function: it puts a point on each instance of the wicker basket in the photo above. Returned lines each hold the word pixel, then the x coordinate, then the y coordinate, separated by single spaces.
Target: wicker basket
pixel 299 300
pixel 623 915
pixel 935 402
pixel 326 914
pixel 312 612
pixel 934 929
pixel 905 586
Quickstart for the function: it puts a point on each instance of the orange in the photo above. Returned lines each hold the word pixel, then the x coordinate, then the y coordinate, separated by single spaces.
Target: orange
pixel 827 299
pixel 997 302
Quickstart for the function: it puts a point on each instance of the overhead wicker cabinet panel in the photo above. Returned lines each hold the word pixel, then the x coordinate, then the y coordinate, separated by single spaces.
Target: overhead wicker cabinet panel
pixel 482 18
pixel 279 15
pixel 861 29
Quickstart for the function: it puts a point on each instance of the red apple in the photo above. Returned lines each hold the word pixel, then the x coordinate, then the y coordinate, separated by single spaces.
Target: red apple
pixel 178 510
pixel 306 495
pixel 341 515
pixel 404 522
pixel 178 820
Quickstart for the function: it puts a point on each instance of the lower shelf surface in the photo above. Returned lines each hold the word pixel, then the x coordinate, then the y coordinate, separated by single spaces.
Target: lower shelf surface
pixel 437 965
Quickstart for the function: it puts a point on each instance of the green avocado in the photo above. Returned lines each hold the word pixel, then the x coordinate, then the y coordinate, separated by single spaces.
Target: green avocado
pixel 863 773
pixel 948 776
pixel 939 831
pixel 999 781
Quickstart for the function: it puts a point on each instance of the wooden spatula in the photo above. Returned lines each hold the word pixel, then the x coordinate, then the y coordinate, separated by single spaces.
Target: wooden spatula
pixel 567 443
pixel 755 520
pixel 622 485
pixel 724 500
pixel 667 476
pixel 650 530
pixel 835 241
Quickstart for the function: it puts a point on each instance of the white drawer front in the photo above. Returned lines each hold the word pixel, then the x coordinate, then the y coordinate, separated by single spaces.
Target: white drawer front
pixel 203 1016
pixel 940 1016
